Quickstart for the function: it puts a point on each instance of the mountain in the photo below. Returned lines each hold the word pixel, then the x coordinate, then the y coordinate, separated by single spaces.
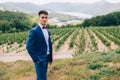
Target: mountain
pixel 101 7
pixel 96 8
pixel 33 9
pixel 21 7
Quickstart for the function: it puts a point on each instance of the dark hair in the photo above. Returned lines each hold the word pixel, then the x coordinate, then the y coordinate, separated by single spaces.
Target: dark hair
pixel 42 12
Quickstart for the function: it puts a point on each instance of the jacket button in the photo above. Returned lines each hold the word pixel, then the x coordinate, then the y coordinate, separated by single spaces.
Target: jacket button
pixel 38 62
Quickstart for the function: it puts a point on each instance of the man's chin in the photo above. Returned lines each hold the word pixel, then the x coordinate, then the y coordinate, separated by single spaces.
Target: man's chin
pixel 44 24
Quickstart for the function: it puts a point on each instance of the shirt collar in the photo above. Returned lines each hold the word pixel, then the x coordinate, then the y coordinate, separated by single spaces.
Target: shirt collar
pixel 40 25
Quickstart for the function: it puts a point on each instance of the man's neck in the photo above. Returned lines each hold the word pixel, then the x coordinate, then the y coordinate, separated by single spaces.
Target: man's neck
pixel 42 25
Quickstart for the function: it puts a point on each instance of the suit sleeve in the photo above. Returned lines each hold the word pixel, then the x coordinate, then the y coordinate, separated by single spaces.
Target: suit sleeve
pixel 51 56
pixel 30 45
pixel 50 47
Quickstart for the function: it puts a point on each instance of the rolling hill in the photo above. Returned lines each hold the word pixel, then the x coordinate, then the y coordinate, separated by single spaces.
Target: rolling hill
pixel 97 8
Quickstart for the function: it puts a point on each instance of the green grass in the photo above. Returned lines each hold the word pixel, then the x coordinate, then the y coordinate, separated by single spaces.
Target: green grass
pixel 87 66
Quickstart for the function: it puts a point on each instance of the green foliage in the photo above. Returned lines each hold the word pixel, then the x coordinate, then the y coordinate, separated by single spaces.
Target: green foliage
pixel 73 38
pixel 111 19
pixel 107 71
pixel 62 40
pixel 94 66
pixel 105 41
pixel 80 44
pixel 87 66
pixel 13 37
pixel 117 50
pixel 111 33
pixel 106 58
pixel 94 77
pixel 11 22
pixel 92 38
pixel 58 33
pixel 82 41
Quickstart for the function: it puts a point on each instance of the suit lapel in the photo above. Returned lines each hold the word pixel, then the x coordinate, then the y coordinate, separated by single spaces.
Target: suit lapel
pixel 41 33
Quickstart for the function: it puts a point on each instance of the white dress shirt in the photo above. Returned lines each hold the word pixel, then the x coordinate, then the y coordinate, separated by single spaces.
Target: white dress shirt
pixel 46 35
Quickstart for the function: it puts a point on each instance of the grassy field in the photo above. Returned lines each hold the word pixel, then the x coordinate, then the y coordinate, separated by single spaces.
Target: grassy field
pixel 88 66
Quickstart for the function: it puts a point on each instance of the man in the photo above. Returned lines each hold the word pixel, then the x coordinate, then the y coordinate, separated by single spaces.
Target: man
pixel 39 46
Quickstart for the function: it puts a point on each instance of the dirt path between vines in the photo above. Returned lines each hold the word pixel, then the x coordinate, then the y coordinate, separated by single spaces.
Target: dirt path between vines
pixel 100 45
pixel 112 44
pixel 64 52
pixel 88 44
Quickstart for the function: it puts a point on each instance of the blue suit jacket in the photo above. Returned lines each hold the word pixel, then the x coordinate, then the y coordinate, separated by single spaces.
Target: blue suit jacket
pixel 36 45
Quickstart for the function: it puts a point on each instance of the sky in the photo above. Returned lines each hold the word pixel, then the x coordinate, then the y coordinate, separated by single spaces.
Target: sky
pixel 50 1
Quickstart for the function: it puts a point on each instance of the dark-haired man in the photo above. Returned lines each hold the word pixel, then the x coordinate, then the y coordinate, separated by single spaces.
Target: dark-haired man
pixel 39 46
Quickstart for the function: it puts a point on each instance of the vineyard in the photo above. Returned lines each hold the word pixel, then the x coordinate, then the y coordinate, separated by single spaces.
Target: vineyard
pixel 67 41
pixel 85 44
pixel 94 54
pixel 81 39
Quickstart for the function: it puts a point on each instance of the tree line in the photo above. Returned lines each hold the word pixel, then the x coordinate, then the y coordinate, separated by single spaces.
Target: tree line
pixel 11 22
pixel 14 22
pixel 111 19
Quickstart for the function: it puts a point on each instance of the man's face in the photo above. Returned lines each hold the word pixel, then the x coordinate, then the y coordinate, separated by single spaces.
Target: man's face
pixel 43 18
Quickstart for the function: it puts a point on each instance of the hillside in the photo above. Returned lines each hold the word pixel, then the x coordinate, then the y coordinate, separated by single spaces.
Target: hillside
pixel 97 8
pixel 33 9
pixel 111 19
pixel 14 22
